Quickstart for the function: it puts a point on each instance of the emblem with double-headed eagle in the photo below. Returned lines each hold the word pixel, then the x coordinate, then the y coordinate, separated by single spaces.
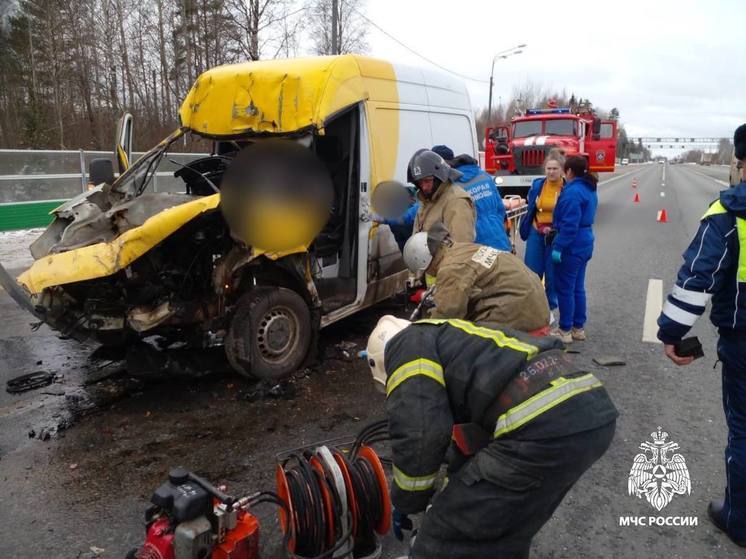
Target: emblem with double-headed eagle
pixel 655 475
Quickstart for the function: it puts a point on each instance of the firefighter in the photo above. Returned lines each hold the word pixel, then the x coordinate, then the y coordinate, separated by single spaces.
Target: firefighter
pixel 525 425
pixel 440 199
pixel 477 282
pixel 488 203
pixel 715 269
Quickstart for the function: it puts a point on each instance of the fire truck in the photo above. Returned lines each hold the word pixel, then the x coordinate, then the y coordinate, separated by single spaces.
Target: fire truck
pixel 515 151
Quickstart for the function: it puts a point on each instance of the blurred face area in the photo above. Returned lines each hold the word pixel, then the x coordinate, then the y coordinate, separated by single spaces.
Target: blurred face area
pixel 426 185
pixel 553 170
pixel 569 175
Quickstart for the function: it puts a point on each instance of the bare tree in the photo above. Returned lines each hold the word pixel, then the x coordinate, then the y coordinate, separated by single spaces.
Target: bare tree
pixel 337 26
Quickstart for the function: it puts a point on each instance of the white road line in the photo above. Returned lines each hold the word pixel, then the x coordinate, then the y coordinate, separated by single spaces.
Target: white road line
pixel 710 177
pixel 653 307
pixel 617 177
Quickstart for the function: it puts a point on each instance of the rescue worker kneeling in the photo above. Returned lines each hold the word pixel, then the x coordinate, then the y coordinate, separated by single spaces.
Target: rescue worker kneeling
pixel 519 423
pixel 477 282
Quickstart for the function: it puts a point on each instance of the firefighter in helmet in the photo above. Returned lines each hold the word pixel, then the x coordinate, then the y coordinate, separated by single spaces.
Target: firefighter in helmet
pixel 440 199
pixel 516 422
pixel 476 282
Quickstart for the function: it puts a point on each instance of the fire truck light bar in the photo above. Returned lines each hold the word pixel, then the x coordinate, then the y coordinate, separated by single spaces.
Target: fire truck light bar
pixel 563 110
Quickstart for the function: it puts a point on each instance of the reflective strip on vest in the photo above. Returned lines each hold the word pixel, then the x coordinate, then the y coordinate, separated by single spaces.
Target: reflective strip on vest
pixel 411 483
pixel 741 227
pixel 561 389
pixel 423 367
pixel 718 208
pixel 500 338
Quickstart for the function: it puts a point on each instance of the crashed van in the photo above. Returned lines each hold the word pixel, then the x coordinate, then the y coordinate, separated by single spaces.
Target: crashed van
pixel 121 262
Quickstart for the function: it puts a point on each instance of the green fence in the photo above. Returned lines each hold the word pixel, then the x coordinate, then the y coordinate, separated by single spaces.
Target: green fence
pixel 26 215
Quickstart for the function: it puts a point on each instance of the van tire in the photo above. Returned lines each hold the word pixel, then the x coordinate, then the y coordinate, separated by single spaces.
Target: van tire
pixel 269 334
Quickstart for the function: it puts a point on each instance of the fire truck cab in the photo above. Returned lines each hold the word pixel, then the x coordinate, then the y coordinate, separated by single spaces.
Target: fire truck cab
pixel 515 152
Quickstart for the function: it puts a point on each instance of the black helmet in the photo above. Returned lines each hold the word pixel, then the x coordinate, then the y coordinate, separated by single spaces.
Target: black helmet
pixel 426 163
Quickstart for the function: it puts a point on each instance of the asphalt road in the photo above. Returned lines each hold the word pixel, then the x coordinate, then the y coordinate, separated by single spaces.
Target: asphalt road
pixel 86 490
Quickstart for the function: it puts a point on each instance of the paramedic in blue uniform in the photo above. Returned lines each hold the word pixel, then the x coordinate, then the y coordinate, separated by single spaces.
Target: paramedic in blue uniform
pixel 715 269
pixel 490 224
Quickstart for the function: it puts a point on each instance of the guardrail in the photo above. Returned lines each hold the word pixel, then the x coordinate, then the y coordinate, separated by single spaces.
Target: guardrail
pixel 34 182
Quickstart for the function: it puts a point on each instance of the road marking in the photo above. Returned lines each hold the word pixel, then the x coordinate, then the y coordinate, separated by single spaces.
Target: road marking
pixel 664 174
pixel 663 194
pixel 711 178
pixel 653 307
pixel 617 177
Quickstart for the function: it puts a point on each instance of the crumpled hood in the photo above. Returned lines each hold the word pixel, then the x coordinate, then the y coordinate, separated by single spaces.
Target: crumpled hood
pixel 734 199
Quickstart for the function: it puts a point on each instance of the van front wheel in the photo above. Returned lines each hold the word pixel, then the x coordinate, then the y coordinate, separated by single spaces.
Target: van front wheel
pixel 269 333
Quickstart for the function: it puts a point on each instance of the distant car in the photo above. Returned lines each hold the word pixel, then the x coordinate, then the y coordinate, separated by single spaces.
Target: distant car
pixel 625 161
pixel 661 161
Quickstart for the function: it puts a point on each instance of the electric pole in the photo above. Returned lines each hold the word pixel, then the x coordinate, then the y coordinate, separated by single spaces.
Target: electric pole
pixel 335 20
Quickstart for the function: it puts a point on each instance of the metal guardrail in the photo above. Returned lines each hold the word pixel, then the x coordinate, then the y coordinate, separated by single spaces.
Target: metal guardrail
pixel 34 182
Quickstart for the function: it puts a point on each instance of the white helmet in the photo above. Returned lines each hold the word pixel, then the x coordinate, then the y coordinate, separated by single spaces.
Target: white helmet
pixel 388 326
pixel 416 253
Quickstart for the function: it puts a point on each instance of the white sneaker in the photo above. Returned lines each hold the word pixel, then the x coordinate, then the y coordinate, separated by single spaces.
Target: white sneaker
pixel 553 318
pixel 565 336
pixel 578 334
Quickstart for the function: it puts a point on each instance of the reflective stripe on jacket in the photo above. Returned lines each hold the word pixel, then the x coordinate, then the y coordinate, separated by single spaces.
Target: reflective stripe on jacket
pixel 714 268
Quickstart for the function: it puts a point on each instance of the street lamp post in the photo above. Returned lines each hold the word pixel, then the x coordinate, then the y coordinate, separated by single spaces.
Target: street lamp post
pixel 503 54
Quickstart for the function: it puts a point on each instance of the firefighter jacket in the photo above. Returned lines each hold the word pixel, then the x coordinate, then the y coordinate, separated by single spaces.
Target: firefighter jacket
pixel 573 217
pixel 479 283
pixel 714 268
pixel 451 205
pixel 447 372
pixel 488 204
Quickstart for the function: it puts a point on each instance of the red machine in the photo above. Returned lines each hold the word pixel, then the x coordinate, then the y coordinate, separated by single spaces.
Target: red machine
pixel 516 151
pixel 190 518
pixel 332 501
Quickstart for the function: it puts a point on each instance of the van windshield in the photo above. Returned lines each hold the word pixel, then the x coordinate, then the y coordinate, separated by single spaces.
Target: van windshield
pixel 560 127
pixel 134 180
pixel 526 128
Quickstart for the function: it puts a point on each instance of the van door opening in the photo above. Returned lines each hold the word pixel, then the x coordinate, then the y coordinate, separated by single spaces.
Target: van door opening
pixel 334 252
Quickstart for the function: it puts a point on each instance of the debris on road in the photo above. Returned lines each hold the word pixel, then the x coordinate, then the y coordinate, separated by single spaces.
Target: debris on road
pixel 30 381
pixel 609 361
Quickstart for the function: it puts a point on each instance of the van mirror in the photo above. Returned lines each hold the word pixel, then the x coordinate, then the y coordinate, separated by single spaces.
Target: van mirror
pixel 100 170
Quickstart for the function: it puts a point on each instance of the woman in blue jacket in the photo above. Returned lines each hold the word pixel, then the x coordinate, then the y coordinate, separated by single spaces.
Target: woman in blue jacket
pixel 572 247
pixel 536 227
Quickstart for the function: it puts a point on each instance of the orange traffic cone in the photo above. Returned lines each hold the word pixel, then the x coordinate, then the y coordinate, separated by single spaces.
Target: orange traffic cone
pixel 637 198
pixel 662 217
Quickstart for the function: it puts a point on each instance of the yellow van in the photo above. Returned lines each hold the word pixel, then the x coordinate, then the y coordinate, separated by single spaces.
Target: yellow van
pixel 120 262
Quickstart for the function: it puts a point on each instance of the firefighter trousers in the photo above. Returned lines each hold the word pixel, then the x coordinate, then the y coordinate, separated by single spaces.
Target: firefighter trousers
pixel 493 506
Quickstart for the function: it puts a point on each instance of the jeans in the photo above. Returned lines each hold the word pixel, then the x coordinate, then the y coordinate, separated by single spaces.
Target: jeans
pixel 569 282
pixel 494 505
pixel 538 258
pixel 732 352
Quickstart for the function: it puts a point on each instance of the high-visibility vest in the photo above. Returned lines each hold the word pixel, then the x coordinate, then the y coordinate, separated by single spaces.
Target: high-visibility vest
pixel 718 208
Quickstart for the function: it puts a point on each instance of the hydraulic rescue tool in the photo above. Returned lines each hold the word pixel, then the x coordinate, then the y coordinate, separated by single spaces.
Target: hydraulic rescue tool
pixel 333 502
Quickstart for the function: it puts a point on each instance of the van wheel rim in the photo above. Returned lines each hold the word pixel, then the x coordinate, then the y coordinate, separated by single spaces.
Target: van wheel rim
pixel 277 333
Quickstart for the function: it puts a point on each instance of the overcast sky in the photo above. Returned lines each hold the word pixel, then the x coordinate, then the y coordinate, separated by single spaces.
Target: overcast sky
pixel 673 68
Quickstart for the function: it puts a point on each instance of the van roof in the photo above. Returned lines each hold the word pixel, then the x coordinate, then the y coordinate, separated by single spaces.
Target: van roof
pixel 289 95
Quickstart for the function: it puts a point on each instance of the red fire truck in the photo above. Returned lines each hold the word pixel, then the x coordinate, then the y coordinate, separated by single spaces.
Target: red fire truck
pixel 515 152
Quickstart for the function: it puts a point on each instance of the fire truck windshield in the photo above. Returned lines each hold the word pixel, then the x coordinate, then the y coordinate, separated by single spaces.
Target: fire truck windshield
pixel 560 127
pixel 526 128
